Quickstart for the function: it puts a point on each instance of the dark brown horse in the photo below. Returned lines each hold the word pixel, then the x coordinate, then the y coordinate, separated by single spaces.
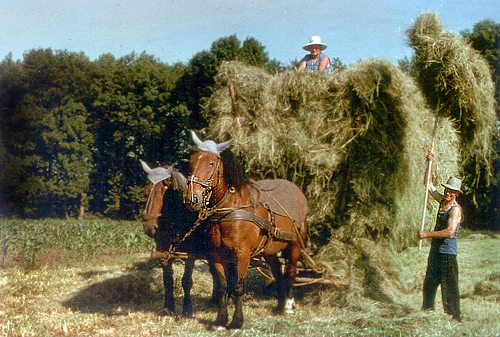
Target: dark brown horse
pixel 167 219
pixel 246 220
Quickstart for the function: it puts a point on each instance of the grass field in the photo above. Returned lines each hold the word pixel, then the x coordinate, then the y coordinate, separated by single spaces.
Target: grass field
pixel 119 294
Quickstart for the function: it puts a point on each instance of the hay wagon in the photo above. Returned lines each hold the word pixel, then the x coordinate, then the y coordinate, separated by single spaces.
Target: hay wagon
pixel 308 271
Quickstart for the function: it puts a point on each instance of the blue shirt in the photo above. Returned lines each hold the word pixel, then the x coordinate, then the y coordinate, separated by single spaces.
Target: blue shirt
pixel 445 245
pixel 310 66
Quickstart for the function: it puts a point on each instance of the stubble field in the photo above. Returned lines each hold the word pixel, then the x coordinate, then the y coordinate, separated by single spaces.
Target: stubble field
pixel 119 293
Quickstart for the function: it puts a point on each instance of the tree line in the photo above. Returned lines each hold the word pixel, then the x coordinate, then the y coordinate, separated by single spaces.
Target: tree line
pixel 72 130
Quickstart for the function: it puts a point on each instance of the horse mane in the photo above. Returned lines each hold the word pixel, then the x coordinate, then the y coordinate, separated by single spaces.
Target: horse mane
pixel 180 182
pixel 234 173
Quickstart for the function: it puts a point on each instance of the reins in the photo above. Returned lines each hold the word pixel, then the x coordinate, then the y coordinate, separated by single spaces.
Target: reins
pixel 201 217
pixel 203 214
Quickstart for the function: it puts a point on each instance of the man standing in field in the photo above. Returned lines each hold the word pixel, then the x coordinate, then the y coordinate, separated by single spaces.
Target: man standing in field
pixel 442 267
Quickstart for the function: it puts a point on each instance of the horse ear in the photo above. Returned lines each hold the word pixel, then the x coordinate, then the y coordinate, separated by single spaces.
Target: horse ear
pixel 170 169
pixel 196 140
pixel 222 146
pixel 145 167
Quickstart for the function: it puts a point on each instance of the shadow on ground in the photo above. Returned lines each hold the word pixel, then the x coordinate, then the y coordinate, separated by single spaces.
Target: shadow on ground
pixel 141 289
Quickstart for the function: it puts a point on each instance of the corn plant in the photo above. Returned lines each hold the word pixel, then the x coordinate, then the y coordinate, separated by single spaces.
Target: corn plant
pixel 30 238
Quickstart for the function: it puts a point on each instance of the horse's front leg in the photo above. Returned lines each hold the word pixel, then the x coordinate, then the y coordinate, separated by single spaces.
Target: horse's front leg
pixel 168 284
pixel 187 284
pixel 214 300
pixel 221 295
pixel 236 276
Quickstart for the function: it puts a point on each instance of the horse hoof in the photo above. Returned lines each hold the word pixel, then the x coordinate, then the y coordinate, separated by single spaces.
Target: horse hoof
pixel 166 313
pixel 186 314
pixel 234 325
pixel 213 327
pixel 278 311
pixel 214 302
pixel 218 324
pixel 290 306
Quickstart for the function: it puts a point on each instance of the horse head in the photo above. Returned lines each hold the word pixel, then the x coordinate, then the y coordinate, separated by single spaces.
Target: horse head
pixel 206 182
pixel 160 180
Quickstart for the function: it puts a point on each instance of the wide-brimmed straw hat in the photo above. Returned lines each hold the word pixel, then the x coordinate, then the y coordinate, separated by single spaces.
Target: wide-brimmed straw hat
pixel 453 183
pixel 313 41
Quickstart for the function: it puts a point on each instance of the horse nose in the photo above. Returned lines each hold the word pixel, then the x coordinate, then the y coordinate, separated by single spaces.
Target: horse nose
pixel 194 205
pixel 150 227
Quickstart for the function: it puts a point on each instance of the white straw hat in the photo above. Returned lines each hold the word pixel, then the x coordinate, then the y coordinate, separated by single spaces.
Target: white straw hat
pixel 315 40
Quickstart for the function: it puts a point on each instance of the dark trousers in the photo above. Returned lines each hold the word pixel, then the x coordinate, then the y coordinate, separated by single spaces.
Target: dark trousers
pixel 442 269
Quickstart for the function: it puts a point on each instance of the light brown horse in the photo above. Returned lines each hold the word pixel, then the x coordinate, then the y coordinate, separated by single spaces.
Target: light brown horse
pixel 167 219
pixel 242 225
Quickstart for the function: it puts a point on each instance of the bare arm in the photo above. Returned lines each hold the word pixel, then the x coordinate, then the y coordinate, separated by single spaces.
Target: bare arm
pixel 325 62
pixel 302 64
pixel 448 232
pixel 432 189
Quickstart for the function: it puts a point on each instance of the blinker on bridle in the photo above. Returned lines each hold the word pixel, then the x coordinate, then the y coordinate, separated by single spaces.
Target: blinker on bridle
pixel 207 185
pixel 145 215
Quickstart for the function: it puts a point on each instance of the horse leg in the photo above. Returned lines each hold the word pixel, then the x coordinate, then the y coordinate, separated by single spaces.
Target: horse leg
pixel 187 284
pixel 236 278
pixel 214 300
pixel 290 274
pixel 168 284
pixel 276 266
pixel 221 294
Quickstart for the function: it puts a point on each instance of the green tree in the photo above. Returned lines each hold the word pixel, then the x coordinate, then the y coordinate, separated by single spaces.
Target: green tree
pixel 252 52
pixel 45 134
pixel 197 83
pixel 131 119
pixel 485 38
pixel 10 92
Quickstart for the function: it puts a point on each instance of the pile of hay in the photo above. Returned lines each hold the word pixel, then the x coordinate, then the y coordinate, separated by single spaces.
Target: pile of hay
pixel 456 80
pixel 355 141
pixel 489 288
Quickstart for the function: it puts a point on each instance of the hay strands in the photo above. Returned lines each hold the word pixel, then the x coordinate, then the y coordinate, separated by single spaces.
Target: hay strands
pixel 307 274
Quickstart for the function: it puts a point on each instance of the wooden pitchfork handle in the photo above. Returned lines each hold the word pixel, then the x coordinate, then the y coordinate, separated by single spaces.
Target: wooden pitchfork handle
pixel 427 180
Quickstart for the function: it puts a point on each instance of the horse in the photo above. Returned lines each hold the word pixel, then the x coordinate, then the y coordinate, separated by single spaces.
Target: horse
pixel 168 220
pixel 245 220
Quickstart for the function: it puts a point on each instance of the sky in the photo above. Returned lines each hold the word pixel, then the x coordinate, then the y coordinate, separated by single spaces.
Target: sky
pixel 175 30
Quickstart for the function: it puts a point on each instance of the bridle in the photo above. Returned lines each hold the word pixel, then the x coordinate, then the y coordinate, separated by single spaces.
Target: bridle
pixel 205 210
pixel 205 184
pixel 202 215
pixel 145 215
